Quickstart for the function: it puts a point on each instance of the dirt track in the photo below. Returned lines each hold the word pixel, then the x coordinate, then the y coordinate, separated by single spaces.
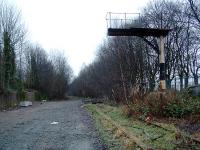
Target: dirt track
pixel 31 128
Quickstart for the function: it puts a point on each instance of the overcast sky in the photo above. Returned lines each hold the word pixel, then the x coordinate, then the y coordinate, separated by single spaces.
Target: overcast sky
pixel 76 27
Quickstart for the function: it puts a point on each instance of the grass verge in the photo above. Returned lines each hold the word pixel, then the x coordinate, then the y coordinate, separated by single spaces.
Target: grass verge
pixel 104 129
pixel 119 132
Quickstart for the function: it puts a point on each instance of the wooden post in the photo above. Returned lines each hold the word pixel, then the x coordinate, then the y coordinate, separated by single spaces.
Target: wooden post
pixel 162 64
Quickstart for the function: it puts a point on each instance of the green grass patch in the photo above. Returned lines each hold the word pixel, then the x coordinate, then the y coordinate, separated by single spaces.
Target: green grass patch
pixel 104 130
pixel 161 137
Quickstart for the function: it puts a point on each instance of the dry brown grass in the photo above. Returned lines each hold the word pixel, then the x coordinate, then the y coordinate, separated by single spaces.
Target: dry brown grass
pixel 126 110
pixel 118 133
pixel 154 103
pixel 129 144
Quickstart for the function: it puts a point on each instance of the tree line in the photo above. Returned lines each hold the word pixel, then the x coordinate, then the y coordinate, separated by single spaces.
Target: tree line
pixel 24 65
pixel 124 65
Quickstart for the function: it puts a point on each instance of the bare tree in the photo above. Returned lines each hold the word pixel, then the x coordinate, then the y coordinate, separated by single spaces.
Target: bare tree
pixel 11 32
pixel 195 10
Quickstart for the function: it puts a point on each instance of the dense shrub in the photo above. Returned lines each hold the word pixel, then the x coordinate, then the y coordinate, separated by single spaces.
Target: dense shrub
pixel 167 104
pixel 186 107
pixel 174 109
pixel 183 106
pixel 155 102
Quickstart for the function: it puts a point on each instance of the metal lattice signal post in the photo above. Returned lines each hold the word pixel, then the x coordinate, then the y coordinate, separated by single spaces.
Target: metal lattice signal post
pixel 130 27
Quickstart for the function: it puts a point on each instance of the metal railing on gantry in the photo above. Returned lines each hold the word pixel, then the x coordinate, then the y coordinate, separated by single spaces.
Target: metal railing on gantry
pixel 123 20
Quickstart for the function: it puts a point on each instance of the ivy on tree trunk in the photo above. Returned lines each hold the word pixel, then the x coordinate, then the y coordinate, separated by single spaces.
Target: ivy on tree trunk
pixel 9 60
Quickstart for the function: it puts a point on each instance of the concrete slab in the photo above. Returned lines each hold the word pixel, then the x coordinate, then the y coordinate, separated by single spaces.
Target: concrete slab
pixel 25 103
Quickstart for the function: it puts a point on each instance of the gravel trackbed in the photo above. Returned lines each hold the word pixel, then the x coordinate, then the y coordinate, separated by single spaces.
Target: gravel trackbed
pixel 31 129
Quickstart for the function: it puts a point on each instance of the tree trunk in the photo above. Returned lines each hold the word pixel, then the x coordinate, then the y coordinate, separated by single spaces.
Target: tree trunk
pixel 1 72
pixel 123 84
pixel 168 81
pixel 181 82
pixel 175 83
pixel 152 84
pixel 196 79
pixel 186 81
